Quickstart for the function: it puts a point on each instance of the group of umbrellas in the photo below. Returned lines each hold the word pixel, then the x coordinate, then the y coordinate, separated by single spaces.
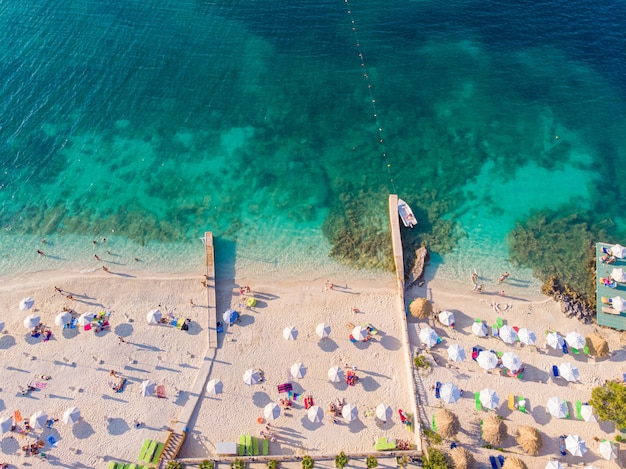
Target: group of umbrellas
pixel 61 319
pixel 506 333
pixel 576 446
pixel 39 419
pixel 322 330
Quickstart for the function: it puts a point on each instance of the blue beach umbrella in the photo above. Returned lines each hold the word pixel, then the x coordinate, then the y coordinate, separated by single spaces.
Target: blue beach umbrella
pixel 230 316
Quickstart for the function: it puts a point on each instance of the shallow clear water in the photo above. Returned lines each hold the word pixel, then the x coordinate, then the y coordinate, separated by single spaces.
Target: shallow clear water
pixel 150 123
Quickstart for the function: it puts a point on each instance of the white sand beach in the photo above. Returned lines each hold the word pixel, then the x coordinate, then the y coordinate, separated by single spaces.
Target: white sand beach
pixel 79 364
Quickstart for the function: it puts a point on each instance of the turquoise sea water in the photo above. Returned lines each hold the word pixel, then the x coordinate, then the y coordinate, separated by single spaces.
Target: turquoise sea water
pixel 148 123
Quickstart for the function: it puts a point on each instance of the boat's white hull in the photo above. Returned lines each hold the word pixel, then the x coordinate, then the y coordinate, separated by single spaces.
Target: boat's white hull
pixel 406 214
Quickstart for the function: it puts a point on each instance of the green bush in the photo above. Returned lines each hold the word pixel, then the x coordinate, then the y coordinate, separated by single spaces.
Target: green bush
pixel 432 436
pixel 206 464
pixel 436 460
pixel 238 464
pixel 174 465
pixel 609 401
pixel 420 362
pixel 372 462
pixel 272 464
pixel 307 462
pixel 341 460
pixel 619 438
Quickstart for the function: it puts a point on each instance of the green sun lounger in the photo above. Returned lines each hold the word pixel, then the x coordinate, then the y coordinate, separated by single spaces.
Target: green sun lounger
pixel 144 448
pixel 157 453
pixel 479 406
pixel 499 322
pixel 255 446
pixel 241 447
pixel 579 406
pixel 521 404
pixel 384 445
pixel 434 424
pixel 266 447
pixel 248 445
pixel 147 456
pixel 112 465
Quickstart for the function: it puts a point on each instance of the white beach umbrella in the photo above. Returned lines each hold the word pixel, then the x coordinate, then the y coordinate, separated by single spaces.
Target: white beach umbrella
pixel 26 304
pixel 507 334
pixel 215 387
pixel 428 337
pixel 569 372
pixel 85 319
pixel 557 407
pixel 230 316
pixel 487 360
pixel 450 393
pixel 71 416
pixel 298 370
pixel 384 411
pixel 335 374
pixel 315 414
pixel 31 321
pixel 607 450
pixel 552 464
pixel 575 445
pixel 618 303
pixel 62 319
pixel 618 275
pixel 480 329
pixel 359 333
pixel 290 333
pixel 154 316
pixel 148 387
pixel 554 340
pixel 527 337
pixel 511 361
pixel 489 398
pixel 322 330
pixel 251 377
pixel 575 340
pixel 271 411
pixel 587 413
pixel 5 424
pixel 456 353
pixel 349 412
pixel 446 318
pixel 38 419
pixel 618 251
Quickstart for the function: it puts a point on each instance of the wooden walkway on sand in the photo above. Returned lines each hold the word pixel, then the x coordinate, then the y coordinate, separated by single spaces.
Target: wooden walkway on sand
pixel 175 438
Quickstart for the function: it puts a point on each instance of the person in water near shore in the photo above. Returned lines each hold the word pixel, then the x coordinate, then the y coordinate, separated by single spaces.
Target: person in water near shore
pixel 503 277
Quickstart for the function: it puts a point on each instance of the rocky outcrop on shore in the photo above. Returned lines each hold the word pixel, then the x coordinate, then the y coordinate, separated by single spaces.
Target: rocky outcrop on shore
pixel 416 274
pixel 572 304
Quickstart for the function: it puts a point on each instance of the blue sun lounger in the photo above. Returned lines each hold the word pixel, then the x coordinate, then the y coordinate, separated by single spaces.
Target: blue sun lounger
pixel 555 371
pixel 437 390
pixel 494 462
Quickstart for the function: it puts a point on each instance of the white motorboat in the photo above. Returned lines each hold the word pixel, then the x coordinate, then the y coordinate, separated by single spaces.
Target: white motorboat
pixel 406 214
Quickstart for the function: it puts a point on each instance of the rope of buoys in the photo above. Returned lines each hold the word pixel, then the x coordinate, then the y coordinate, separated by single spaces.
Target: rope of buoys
pixel 366 76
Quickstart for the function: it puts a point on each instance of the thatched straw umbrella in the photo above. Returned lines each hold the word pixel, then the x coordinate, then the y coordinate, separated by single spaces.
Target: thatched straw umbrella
pixel 529 439
pixel 462 458
pixel 447 423
pixel 598 347
pixel 421 308
pixel 513 463
pixel 494 430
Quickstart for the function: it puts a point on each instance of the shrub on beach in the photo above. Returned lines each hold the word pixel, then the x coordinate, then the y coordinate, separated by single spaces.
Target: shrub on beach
pixel 238 464
pixel 371 462
pixel 609 401
pixel 272 464
pixel 206 464
pixel 341 460
pixel 307 462
pixel 174 465
pixel 436 460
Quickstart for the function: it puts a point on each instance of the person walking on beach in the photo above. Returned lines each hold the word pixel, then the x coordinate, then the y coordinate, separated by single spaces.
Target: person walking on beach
pixel 105 268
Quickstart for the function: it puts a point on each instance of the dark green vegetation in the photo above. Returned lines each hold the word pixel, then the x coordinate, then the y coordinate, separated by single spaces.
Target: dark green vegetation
pixel 559 245
pixel 610 402
pixel 436 460
pixel 341 460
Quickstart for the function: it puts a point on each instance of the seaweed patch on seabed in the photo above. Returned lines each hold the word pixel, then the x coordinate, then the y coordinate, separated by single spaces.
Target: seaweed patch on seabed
pixel 560 244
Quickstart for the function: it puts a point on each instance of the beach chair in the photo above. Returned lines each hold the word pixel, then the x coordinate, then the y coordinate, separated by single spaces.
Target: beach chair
pixel 478 320
pixel 147 455
pixel 241 447
pixel 144 448
pixel 494 462
pixel 562 445
pixel 521 404
pixel 248 445
pixel 567 405
pixel 160 391
pixel 286 387
pixel 565 351
pixel 437 390
pixel 499 322
pixel 112 465
pixel 52 441
pixel 578 406
pixel 586 349
pixel 266 447
pixel 157 453
pixel 383 444
pixel 255 446
pixel 575 351
pixel 555 371
pixel 479 406
pixel 501 460
pixel 433 422
pixel 511 402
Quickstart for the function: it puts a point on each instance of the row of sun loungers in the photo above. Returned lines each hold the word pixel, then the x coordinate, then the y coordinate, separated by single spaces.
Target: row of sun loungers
pixel 496 462
pixel 151 452
pixel 121 465
pixel 249 446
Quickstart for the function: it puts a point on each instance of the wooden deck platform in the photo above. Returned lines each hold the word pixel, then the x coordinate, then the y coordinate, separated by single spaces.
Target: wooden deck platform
pixel 605 315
